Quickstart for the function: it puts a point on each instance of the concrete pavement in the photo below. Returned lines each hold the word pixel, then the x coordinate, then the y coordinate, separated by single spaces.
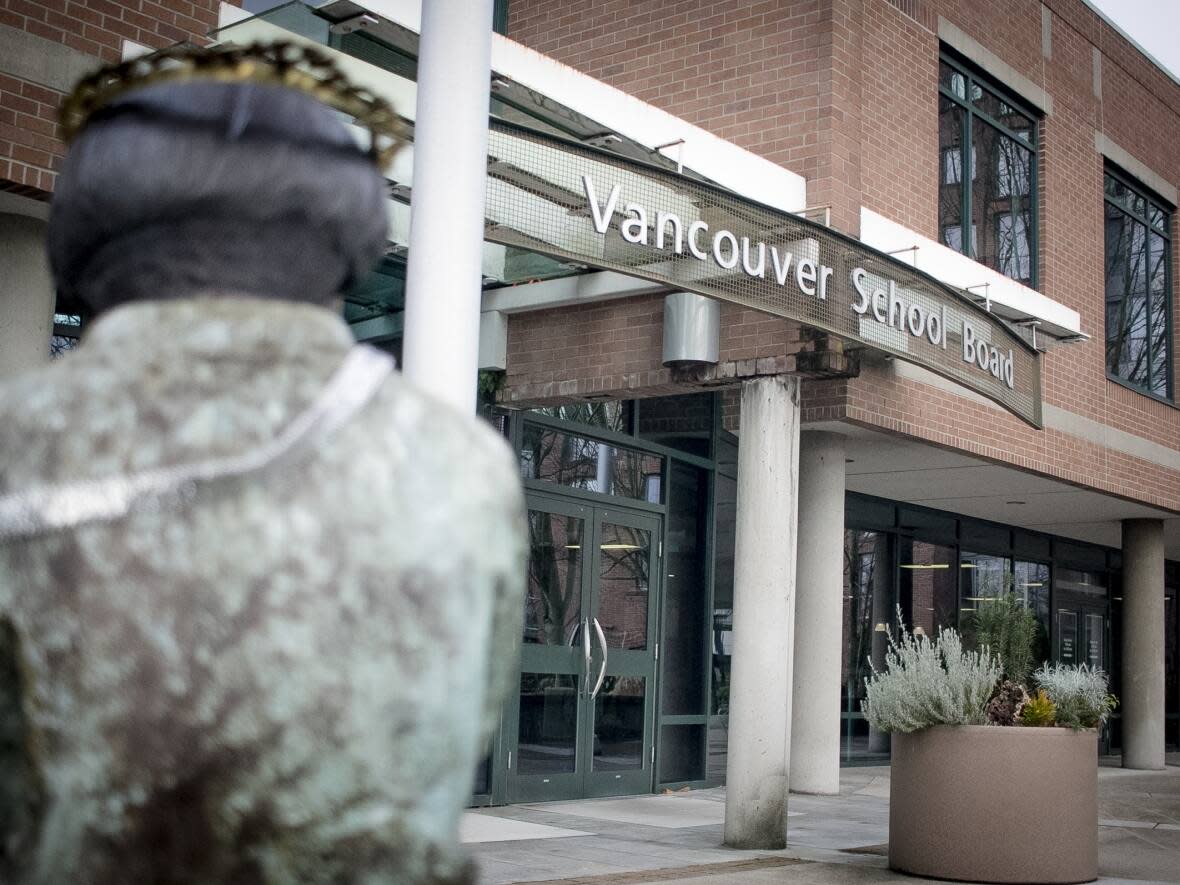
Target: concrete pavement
pixel 831 839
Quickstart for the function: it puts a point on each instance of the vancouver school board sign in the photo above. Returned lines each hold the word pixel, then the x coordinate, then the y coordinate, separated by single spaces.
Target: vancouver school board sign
pixel 583 205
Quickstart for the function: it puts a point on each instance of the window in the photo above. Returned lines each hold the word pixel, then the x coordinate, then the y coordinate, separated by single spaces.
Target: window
pixel 1031 585
pixel 927 586
pixel 952 235
pixel 981 125
pixel 868 621
pixel 67 332
pixel 1138 286
pixel 952 165
pixel 551 455
pixel 1012 238
pixel 985 578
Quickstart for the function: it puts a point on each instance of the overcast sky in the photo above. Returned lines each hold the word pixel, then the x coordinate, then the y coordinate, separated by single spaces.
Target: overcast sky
pixel 1153 24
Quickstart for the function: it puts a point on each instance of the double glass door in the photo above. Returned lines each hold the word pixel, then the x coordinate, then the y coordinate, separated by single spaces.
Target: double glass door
pixel 1082 623
pixel 1083 626
pixel 583 724
pixel 1081 635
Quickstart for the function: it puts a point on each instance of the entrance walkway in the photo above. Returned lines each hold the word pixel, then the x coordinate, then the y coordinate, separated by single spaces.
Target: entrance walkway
pixel 832 839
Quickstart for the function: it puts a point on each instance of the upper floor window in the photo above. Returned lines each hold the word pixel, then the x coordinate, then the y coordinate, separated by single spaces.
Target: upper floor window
pixel 987 188
pixel 1138 287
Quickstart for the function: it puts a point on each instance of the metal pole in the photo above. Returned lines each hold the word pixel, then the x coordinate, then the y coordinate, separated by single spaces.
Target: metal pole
pixel 443 279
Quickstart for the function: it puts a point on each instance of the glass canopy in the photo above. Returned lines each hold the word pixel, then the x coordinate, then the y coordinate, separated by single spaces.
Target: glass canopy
pixel 382 56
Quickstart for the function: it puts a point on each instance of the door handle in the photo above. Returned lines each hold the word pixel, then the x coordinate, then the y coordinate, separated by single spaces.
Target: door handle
pixel 585 653
pixel 602 669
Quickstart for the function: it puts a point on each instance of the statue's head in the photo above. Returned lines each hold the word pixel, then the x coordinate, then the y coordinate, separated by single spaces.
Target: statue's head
pixel 175 186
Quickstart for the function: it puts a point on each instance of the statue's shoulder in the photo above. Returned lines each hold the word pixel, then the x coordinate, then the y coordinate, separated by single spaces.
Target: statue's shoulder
pixel 42 413
pixel 435 436
pixel 464 443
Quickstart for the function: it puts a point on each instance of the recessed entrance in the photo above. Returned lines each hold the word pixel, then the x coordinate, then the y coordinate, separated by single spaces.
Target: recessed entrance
pixel 583 724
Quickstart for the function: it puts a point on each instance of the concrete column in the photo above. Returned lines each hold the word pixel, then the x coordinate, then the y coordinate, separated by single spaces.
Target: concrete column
pixel 763 608
pixel 1143 696
pixel 819 616
pixel 27 295
pixel 444 278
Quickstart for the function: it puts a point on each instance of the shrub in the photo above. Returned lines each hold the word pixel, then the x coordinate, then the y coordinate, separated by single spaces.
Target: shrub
pixel 929 683
pixel 1004 625
pixel 1006 704
pixel 1078 692
pixel 1039 711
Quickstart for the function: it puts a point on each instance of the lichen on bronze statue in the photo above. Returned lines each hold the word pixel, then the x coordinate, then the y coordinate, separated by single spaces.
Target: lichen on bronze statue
pixel 258 596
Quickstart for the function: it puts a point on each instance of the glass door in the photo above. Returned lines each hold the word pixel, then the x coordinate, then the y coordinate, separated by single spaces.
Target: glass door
pixel 1081 636
pixel 1083 625
pixel 583 724
pixel 622 612
pixel 543 747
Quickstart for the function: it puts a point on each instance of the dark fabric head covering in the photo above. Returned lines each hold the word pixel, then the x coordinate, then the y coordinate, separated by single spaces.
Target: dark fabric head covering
pixel 178 189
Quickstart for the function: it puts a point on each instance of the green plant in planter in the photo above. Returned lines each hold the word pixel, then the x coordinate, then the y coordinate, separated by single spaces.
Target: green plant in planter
pixel 1009 629
pixel 929 682
pixel 1039 711
pixel 1079 694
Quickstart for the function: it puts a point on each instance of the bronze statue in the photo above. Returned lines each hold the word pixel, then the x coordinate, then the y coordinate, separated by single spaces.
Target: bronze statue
pixel 259 597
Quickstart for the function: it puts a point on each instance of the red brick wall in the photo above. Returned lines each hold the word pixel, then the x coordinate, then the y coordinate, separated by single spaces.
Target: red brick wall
pixel 29 147
pixel 30 150
pixel 1140 110
pixel 845 93
pixel 758 74
pixel 900 119
pixel 943 419
pixel 615 348
pixel 98 27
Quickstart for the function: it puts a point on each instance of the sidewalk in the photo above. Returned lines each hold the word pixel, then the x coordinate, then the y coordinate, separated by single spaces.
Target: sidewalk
pixel 831 839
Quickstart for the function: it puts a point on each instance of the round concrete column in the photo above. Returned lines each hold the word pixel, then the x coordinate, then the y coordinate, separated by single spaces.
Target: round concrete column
pixel 819 616
pixel 1143 697
pixel 763 602
pixel 27 296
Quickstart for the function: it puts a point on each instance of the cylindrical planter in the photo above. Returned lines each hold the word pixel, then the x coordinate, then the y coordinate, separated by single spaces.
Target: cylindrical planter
pixel 993 804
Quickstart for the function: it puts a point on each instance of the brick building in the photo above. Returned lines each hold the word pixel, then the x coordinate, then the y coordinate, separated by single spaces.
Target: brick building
pixel 875 103
pixel 1008 166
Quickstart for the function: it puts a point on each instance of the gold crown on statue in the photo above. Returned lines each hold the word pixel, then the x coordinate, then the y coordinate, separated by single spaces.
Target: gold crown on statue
pixel 291 65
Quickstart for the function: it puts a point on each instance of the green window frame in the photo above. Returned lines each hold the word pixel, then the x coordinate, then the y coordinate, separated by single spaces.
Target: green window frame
pixel 988 146
pixel 1138 286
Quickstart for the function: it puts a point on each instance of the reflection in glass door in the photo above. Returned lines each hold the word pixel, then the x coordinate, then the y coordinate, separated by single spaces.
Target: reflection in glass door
pixel 622 611
pixel 583 725
pixel 553 667
pixel 1081 637
pixel 868 618
pixel 1083 625
pixel 1082 621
